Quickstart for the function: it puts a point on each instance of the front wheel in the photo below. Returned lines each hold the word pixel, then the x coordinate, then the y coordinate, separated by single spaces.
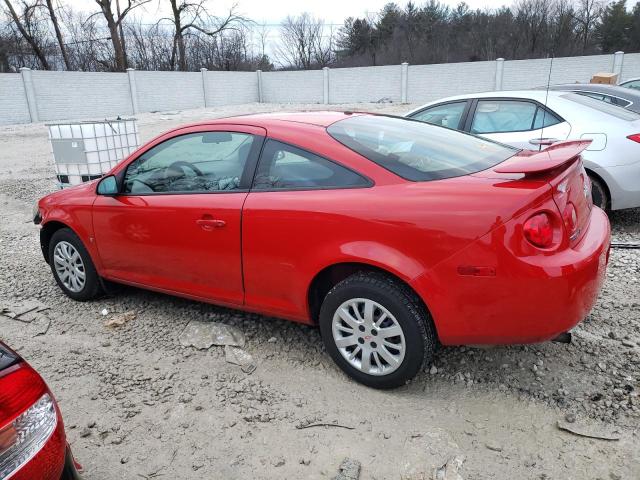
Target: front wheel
pixel 72 266
pixel 377 330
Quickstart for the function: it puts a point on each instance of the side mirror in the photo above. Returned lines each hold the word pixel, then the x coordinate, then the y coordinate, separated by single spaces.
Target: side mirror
pixel 108 186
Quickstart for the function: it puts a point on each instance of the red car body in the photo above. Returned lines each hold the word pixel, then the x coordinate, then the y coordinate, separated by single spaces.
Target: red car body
pixel 457 242
pixel 24 455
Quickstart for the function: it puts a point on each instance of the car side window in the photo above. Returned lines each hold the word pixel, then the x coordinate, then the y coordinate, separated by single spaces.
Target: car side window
pixel 544 118
pixel 501 116
pixel 597 96
pixel 284 166
pixel 447 115
pixel 620 102
pixel 196 162
pixel 635 84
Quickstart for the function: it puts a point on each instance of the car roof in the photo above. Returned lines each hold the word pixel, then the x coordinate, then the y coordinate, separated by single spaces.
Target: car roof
pixel 317 118
pixel 539 95
pixel 614 90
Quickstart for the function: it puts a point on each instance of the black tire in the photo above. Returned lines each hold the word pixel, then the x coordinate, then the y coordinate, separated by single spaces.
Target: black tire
pixel 409 312
pixel 92 286
pixel 599 193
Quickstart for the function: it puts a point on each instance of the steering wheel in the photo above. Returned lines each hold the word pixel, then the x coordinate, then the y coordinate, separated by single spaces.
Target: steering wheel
pixel 146 187
pixel 180 164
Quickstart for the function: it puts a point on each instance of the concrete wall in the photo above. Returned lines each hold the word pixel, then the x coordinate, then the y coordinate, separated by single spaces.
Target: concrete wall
pixel 158 91
pixel 364 84
pixel 631 66
pixel 225 88
pixel 61 95
pixel 430 82
pixel 520 74
pixel 292 87
pixel 13 100
pixel 33 96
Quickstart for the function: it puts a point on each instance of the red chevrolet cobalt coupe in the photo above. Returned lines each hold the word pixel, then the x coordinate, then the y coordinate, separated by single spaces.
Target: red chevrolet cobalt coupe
pixel 392 235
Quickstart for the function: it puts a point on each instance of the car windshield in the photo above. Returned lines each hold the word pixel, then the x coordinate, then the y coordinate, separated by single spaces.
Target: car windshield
pixel 418 151
pixel 603 107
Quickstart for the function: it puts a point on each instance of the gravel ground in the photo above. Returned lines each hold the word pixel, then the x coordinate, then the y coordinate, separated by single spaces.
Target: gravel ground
pixel 138 404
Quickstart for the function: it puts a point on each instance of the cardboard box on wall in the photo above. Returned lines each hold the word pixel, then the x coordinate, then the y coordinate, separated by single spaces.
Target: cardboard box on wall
pixel 605 78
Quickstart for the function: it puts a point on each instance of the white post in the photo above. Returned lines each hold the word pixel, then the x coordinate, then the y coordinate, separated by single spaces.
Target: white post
pixel 325 85
pixel 133 91
pixel 30 93
pixel 203 71
pixel 499 72
pixel 260 93
pixel 618 61
pixel 404 81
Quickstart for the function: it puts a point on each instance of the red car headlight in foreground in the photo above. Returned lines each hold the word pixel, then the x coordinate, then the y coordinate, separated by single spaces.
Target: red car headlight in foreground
pixel 25 436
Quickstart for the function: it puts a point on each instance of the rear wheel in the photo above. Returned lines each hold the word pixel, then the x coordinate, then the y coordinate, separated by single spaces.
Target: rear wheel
pixel 599 193
pixel 72 266
pixel 376 330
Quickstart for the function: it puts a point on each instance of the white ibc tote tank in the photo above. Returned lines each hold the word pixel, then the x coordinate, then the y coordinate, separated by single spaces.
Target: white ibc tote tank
pixel 87 150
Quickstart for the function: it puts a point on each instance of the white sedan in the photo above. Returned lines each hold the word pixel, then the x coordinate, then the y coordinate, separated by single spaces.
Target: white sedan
pixel 535 119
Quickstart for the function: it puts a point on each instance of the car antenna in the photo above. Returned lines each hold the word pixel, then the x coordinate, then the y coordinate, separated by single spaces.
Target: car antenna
pixel 546 99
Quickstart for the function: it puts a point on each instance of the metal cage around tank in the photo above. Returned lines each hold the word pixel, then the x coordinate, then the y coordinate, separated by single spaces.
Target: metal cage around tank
pixel 83 151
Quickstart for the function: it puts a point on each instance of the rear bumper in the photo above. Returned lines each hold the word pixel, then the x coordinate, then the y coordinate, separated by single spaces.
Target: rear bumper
pixel 530 299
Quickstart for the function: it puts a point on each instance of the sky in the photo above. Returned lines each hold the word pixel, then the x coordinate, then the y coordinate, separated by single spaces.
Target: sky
pixel 273 11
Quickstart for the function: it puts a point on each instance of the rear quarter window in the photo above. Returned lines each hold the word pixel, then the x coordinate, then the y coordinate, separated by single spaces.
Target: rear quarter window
pixel 418 151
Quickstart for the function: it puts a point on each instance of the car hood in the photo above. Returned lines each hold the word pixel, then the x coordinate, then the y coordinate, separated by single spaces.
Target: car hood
pixel 72 193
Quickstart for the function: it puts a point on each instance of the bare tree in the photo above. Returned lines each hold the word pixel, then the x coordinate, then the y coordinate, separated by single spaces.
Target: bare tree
pixel 26 23
pixel 114 23
pixel 150 46
pixel 188 16
pixel 87 46
pixel 54 20
pixel 4 53
pixel 303 44
pixel 587 16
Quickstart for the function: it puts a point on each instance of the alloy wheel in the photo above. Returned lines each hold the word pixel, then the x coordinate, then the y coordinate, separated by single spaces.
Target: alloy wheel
pixel 69 266
pixel 368 336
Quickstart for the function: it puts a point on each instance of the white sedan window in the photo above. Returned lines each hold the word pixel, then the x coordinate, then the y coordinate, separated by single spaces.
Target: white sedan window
pixel 493 116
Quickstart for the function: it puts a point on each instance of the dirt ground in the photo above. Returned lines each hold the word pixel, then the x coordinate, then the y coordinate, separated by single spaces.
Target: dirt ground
pixel 138 404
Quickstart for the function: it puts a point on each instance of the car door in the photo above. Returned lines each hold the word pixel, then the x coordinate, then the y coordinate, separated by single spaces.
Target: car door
pixel 517 122
pixel 290 215
pixel 176 224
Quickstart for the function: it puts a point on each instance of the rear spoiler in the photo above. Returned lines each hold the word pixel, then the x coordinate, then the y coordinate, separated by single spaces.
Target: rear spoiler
pixel 551 158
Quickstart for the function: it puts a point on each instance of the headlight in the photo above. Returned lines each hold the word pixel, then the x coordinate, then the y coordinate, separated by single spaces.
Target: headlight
pixel 37 217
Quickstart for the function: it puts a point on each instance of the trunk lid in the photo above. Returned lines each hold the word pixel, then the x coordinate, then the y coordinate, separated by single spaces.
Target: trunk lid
pixel 560 165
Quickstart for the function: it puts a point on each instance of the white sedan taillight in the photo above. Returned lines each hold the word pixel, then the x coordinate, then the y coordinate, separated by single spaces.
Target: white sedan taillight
pixel 25 436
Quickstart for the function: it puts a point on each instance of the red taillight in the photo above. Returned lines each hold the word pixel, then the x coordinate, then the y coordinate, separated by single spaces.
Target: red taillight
pixel 635 137
pixel 28 418
pixel 20 387
pixel 570 217
pixel 538 230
